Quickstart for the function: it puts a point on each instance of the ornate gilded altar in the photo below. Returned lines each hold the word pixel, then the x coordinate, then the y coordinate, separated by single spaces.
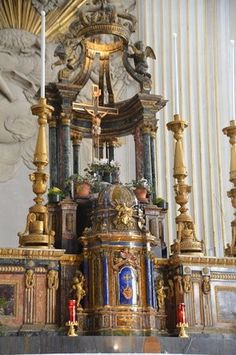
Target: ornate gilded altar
pixel 109 252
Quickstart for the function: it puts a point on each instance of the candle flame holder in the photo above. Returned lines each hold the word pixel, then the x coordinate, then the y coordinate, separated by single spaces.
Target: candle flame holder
pixel 37 233
pixel 71 331
pixel 182 331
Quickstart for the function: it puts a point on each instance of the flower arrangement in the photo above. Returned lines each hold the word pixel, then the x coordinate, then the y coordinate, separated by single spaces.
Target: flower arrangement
pixel 77 178
pixel 141 183
pixel 102 166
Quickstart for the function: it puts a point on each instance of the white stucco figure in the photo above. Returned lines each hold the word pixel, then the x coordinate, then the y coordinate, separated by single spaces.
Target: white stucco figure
pixel 19 83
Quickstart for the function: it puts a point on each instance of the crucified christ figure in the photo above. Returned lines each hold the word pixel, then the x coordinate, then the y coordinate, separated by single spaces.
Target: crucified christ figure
pixel 97 113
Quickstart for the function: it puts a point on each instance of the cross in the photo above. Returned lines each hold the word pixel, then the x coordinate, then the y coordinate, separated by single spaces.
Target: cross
pixel 127 277
pixel 97 112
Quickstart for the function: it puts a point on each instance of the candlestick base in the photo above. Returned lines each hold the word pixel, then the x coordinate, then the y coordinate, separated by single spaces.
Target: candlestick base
pixel 182 331
pixel 71 331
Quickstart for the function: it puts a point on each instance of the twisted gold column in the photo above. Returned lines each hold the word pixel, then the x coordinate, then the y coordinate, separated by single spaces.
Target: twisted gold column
pixel 231 133
pixel 186 241
pixel 36 234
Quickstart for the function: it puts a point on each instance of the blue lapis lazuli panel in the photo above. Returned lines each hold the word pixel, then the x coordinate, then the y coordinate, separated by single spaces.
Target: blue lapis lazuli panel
pixel 128 286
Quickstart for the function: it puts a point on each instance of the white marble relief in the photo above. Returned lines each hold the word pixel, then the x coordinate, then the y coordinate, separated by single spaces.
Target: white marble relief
pixel 19 83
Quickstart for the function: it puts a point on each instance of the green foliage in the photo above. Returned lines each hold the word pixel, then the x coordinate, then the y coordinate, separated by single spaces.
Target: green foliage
pixel 55 191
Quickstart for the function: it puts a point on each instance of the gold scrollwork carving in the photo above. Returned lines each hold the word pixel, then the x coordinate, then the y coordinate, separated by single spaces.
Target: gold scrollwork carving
pixel 124 217
pixel 29 279
pixel 187 283
pixel 52 278
pixel 125 257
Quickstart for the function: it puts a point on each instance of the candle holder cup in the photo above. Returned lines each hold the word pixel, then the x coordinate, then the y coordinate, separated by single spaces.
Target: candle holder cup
pixel 182 331
pixel 71 331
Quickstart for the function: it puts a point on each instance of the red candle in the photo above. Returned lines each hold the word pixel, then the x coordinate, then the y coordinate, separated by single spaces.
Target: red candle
pixel 181 313
pixel 71 308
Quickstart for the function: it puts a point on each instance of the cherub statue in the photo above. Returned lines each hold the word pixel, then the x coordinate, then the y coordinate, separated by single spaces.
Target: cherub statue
pixel 140 55
pixel 78 288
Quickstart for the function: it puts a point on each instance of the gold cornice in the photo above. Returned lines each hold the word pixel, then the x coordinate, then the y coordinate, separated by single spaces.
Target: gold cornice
pixel 20 14
pixel 160 262
pixel 11 269
pixel 182 259
pixel 71 259
pixel 21 253
pixel 176 260
pixel 225 276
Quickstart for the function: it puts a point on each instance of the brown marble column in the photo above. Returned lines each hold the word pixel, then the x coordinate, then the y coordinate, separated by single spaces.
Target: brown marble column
pixel 76 142
pixel 153 162
pixel 65 150
pixel 138 153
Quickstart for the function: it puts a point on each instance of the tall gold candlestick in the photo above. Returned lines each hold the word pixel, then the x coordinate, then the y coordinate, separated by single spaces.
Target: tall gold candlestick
pixel 230 131
pixel 36 234
pixel 186 241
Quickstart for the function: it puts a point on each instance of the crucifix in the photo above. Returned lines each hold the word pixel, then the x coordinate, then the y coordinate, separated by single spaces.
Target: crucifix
pixel 97 113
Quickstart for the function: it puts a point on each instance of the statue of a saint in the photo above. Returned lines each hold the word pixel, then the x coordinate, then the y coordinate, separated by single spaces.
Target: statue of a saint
pixel 160 292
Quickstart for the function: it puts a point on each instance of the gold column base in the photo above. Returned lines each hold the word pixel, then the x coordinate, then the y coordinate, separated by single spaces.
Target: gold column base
pixel 188 247
pixel 71 331
pixel 230 250
pixel 182 331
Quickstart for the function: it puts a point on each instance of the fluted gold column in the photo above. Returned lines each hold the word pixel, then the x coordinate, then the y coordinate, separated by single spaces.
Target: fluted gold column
pixel 36 234
pixel 230 131
pixel 186 241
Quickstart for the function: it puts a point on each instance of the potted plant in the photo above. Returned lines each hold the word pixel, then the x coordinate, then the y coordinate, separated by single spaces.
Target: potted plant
pixel 141 189
pixel 55 195
pixel 160 202
pixel 104 170
pixel 81 185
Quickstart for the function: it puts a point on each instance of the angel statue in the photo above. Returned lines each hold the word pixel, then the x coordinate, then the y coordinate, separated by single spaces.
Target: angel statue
pixel 78 288
pixel 140 55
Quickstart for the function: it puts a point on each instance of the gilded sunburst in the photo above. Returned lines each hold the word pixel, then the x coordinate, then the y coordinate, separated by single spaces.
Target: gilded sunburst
pixel 21 14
